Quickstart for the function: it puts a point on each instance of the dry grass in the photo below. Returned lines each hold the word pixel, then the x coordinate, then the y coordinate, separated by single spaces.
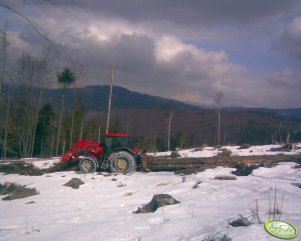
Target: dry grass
pixel 225 178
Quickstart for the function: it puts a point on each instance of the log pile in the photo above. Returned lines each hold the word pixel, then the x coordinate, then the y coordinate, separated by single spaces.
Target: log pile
pixel 174 164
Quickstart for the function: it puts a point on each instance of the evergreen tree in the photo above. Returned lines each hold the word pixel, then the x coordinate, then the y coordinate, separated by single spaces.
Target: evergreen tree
pixel 65 78
pixel 46 116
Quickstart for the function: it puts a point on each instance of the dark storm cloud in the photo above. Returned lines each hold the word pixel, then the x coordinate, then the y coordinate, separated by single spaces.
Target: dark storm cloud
pixel 157 46
pixel 188 12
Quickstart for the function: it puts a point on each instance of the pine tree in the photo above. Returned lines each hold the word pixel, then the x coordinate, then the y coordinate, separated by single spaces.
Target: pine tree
pixel 65 78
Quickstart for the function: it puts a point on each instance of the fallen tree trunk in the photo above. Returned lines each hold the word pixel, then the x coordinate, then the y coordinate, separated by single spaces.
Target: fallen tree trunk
pixel 173 164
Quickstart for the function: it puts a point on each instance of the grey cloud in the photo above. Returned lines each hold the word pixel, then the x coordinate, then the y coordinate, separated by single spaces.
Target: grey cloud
pixel 187 12
pixel 184 77
pixel 289 39
pixel 285 79
pixel 132 31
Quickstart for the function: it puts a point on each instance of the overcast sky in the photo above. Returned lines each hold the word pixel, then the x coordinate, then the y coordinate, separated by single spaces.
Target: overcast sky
pixel 189 50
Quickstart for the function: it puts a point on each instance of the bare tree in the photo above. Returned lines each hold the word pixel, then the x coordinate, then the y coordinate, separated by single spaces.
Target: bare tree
pixel 6 125
pixel 80 69
pixel 6 103
pixel 36 28
pixel 3 49
pixel 167 124
pixel 32 75
pixel 218 105
pixel 110 99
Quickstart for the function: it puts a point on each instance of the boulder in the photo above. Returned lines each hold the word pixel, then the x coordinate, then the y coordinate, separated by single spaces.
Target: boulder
pixel 74 183
pixel 16 191
pixel 7 188
pixel 157 201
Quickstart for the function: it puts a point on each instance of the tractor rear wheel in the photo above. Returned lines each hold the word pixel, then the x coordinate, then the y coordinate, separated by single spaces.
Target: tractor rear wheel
pixel 122 161
pixel 87 165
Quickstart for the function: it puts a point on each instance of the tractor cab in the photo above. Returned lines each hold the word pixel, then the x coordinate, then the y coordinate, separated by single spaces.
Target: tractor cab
pixel 115 142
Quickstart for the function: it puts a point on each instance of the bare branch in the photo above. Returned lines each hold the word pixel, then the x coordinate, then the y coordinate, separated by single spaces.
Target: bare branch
pixel 33 25
pixel 36 28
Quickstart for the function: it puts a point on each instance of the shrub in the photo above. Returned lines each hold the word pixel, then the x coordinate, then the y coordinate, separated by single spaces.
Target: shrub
pixel 244 146
pixel 224 153
pixel 243 170
pixel 20 167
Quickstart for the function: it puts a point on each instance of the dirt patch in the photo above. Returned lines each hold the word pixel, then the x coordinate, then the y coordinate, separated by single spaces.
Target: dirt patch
pixel 24 168
pixel 21 168
pixel 61 167
pixel 225 178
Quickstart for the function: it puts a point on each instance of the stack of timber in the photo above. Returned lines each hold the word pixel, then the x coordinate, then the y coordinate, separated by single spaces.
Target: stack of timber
pixel 174 164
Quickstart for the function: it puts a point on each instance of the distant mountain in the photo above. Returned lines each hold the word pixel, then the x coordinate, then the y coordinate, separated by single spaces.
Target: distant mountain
pixel 95 98
pixel 296 112
pixel 293 112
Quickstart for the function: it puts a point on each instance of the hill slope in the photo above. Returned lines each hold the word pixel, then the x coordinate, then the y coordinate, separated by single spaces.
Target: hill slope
pixel 95 98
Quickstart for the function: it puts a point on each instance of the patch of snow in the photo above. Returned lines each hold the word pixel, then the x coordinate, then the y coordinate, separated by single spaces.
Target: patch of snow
pixel 235 151
pixel 102 208
pixel 44 164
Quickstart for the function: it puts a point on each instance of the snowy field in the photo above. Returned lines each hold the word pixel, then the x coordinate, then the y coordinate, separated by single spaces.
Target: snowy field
pixel 102 208
pixel 235 151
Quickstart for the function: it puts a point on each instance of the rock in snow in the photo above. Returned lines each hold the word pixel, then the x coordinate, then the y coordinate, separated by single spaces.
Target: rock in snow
pixel 157 201
pixel 74 183
pixel 16 191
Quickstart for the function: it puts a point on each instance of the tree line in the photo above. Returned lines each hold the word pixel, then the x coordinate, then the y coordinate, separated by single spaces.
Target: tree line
pixel 28 126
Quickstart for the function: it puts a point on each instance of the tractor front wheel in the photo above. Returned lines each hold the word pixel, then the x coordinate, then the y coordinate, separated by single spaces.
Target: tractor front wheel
pixel 87 165
pixel 122 162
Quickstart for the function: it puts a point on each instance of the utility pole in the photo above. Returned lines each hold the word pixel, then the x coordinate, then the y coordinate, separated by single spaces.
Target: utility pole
pixel 110 99
pixel 171 114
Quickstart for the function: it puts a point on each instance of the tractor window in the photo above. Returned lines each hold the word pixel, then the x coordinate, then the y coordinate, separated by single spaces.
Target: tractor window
pixel 118 142
pixel 124 142
pixel 109 141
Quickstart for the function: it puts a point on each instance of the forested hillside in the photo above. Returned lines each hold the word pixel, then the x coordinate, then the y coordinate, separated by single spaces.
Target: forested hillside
pixel 45 122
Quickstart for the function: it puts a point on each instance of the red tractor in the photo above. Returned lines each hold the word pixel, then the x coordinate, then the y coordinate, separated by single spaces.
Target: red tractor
pixel 117 153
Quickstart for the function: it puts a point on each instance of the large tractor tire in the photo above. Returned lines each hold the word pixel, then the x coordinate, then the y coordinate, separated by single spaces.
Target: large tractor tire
pixel 122 162
pixel 87 165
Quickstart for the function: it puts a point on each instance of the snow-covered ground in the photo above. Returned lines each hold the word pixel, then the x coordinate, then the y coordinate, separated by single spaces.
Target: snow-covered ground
pixel 102 208
pixel 235 151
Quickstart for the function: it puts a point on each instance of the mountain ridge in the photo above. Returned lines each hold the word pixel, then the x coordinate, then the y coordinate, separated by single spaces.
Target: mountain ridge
pixel 95 98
